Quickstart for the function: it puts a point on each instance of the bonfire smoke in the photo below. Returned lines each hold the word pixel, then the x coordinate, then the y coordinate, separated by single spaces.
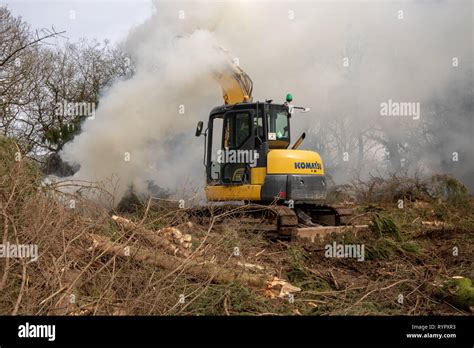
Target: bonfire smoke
pixel 340 59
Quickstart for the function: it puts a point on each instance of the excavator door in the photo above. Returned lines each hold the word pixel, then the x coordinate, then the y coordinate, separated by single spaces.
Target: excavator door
pixel 231 146
pixel 238 143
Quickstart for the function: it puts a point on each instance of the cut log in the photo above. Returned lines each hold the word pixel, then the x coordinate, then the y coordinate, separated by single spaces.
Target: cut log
pixel 320 232
pixel 154 237
pixel 436 224
pixel 192 267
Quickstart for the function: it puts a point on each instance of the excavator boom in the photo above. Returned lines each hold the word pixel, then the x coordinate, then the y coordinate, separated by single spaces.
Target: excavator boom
pixel 236 84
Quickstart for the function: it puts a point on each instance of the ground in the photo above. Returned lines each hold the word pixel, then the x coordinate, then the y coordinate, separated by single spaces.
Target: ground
pixel 412 252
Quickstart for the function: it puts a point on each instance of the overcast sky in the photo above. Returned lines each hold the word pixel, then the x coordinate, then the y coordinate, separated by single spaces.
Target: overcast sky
pixel 103 19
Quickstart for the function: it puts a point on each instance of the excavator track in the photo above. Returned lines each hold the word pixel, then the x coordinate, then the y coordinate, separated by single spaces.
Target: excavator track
pixel 276 221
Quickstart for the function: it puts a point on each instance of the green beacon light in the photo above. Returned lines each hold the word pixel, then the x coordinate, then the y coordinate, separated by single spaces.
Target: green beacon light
pixel 289 97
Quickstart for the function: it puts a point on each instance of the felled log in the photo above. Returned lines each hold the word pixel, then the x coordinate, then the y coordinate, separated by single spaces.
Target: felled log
pixel 436 224
pixel 175 234
pixel 320 232
pixel 193 268
pixel 176 246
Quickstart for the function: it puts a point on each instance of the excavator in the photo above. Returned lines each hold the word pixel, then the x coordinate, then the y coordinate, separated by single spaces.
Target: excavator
pixel 249 158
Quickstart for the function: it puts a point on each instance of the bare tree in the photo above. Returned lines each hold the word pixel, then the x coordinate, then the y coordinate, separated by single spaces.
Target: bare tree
pixel 39 83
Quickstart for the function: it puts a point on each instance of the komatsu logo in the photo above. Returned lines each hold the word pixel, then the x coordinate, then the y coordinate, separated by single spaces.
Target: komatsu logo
pixel 307 165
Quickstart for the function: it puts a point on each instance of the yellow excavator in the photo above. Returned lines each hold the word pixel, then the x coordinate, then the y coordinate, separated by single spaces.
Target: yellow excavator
pixel 248 157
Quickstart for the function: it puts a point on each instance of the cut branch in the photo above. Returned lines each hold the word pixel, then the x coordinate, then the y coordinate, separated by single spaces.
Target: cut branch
pixel 193 268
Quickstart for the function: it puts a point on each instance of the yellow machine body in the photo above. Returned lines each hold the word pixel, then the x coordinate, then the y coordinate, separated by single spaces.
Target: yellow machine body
pixel 279 162
pixel 281 172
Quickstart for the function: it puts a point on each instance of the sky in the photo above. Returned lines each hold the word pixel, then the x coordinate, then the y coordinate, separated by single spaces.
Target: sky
pixel 104 19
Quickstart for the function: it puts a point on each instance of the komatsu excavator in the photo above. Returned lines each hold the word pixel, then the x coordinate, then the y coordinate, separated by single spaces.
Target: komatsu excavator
pixel 248 157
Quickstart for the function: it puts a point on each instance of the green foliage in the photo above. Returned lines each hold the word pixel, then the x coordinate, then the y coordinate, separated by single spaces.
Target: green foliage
pixel 410 247
pixel 458 291
pixel 372 208
pixel 61 134
pixel 449 189
pixel 299 275
pixel 385 248
pixel 296 260
pixel 382 248
pixel 384 224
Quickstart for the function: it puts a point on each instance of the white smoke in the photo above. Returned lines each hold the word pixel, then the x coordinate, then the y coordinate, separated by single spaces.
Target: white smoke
pixel 395 50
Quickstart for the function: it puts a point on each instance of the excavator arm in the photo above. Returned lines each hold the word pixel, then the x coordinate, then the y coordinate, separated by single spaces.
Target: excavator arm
pixel 235 83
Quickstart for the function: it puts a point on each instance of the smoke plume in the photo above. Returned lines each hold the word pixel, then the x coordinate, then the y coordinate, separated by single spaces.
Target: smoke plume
pixel 341 59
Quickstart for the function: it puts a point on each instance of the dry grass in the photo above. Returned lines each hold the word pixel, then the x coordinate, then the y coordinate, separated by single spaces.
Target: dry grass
pixel 70 277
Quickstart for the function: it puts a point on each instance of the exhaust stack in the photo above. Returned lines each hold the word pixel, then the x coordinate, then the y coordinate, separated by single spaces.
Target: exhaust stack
pixel 299 141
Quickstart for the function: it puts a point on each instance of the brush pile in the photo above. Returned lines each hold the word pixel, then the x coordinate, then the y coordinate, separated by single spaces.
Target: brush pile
pixel 417 261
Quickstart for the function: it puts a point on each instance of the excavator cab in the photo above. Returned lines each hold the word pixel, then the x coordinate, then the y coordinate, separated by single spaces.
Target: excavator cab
pixel 247 156
pixel 239 137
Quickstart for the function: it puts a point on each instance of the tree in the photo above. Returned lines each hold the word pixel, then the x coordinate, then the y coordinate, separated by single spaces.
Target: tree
pixel 42 85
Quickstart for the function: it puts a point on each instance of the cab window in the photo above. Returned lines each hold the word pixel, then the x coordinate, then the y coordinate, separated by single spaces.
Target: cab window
pixel 278 126
pixel 237 130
